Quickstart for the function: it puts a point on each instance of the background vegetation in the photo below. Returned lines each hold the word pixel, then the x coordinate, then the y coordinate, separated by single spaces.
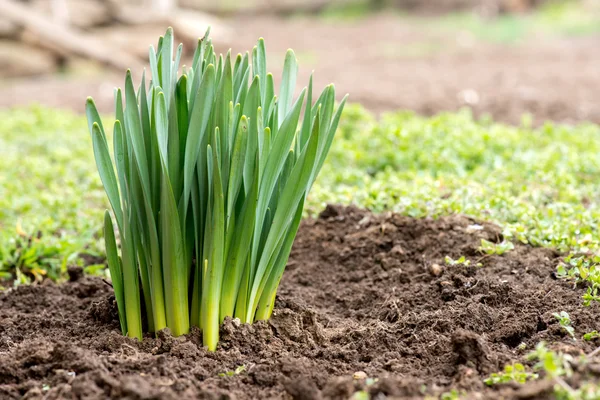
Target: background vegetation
pixel 539 183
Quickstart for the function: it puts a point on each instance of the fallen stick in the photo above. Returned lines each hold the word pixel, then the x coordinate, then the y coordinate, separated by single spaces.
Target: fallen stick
pixel 51 35
pixel 189 24
pixel 265 7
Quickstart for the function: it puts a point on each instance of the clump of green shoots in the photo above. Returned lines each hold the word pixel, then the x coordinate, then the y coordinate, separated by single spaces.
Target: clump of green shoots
pixel 207 183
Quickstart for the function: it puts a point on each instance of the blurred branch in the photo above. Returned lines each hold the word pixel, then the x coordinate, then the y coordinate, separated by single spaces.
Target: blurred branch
pixel 188 24
pixel 60 11
pixel 51 35
pixel 262 7
pixel 164 5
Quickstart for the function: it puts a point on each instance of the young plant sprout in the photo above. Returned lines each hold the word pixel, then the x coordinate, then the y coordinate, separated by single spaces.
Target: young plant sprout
pixel 210 174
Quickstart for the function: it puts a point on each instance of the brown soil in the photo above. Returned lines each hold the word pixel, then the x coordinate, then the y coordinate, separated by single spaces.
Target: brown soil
pixel 362 293
pixel 389 63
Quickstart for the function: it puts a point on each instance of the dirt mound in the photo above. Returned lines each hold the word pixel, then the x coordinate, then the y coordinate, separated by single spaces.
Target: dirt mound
pixel 364 296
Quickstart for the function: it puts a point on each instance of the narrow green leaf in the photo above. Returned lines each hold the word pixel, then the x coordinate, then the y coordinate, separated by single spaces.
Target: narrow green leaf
pixel 145 116
pixel 269 98
pixel 114 266
pixel 138 230
pixel 120 153
pixel 237 73
pixel 162 124
pixel 134 131
pixel 119 115
pixel 173 261
pixel 237 164
pixel 197 129
pixel 133 310
pixel 279 150
pixel 330 134
pixel 181 102
pixel 166 54
pixel 224 96
pixel 240 97
pixel 175 68
pixel 291 196
pixel 106 171
pixel 267 299
pixel 259 66
pixel 92 116
pixel 173 153
pixel 211 293
pixel 250 110
pixel 288 84
pixel 237 258
pixel 308 117
pixel 153 57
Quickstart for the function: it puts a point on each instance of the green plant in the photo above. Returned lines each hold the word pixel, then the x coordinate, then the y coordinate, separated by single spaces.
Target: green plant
pixel 582 269
pixel 460 261
pixel 557 365
pixel 538 183
pixel 496 248
pixel 237 371
pixel 367 382
pixel 554 364
pixel 511 373
pixel 212 173
pixel 565 322
pixel 360 395
pixel 591 335
pixel 451 395
pixel 51 197
pixel 27 259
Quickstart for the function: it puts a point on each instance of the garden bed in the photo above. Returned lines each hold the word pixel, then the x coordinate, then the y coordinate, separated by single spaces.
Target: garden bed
pixel 367 303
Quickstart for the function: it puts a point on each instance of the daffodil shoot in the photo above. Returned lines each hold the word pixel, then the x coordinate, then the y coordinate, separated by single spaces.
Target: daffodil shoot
pixel 207 177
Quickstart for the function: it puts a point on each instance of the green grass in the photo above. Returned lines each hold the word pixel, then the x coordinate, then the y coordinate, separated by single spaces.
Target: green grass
pixel 540 185
pixel 556 18
pixel 51 198
pixel 347 11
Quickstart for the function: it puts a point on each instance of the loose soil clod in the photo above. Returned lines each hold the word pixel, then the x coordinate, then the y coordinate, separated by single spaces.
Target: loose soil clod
pixel 359 296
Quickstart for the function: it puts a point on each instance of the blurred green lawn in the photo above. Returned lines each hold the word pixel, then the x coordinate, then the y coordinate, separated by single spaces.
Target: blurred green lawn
pixel 558 18
pixel 539 184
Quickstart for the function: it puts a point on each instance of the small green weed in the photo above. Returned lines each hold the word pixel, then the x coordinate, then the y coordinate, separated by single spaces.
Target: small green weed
pixel 565 322
pixel 582 269
pixel 557 366
pixel 235 372
pixel 452 395
pixel 554 364
pixel 496 248
pixel 512 373
pixel 460 261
